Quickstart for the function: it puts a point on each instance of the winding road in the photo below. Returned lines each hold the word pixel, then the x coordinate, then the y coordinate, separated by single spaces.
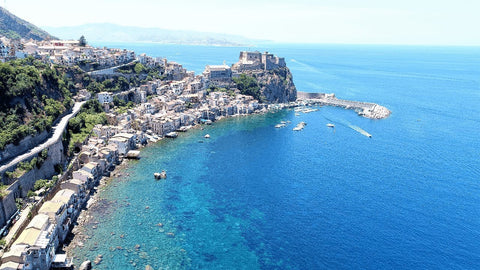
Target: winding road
pixel 57 133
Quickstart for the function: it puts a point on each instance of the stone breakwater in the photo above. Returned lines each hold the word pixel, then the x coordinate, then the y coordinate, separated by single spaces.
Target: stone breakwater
pixel 365 109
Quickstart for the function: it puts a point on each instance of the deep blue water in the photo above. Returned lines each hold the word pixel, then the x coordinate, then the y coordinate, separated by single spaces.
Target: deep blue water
pixel 256 197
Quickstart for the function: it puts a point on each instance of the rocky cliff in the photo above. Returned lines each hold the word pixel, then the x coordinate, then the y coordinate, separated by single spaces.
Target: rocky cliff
pixel 265 76
pixel 275 85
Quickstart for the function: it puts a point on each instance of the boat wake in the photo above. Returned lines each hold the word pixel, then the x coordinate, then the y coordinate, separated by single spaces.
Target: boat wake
pixel 347 124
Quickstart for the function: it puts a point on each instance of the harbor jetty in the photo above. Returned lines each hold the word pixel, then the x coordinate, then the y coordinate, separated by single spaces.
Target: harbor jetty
pixel 365 109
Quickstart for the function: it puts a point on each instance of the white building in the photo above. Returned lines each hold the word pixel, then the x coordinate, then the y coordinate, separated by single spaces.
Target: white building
pixel 104 97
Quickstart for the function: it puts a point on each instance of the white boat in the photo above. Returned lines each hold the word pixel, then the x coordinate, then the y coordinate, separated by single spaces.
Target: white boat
pixel 182 129
pixel 300 126
pixel 280 125
pixel 172 134
pixel 207 136
pixel 330 125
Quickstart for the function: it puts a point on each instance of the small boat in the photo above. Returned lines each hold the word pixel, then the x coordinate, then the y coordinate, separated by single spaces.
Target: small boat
pixel 133 154
pixel 182 129
pixel 330 125
pixel 207 136
pixel 300 126
pixel 172 134
pixel 297 114
pixel 280 125
pixel 161 175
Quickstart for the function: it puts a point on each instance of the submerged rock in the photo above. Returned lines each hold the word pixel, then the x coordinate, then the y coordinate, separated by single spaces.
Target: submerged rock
pixel 98 260
pixel 86 265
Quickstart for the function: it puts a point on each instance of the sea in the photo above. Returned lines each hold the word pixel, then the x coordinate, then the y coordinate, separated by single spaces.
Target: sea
pixel 253 196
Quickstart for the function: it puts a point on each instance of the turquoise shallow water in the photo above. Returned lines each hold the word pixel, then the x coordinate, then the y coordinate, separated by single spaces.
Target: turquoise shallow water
pixel 256 197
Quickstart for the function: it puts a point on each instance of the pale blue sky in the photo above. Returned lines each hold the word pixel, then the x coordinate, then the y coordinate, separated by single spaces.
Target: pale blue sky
pixel 438 22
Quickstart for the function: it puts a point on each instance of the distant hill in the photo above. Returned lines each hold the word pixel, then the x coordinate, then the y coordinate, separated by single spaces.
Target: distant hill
pixel 13 27
pixel 105 32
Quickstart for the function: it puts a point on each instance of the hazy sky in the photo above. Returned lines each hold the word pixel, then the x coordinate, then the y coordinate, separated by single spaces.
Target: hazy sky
pixel 441 22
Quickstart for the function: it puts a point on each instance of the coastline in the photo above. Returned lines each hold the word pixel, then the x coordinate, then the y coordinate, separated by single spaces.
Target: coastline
pixel 78 235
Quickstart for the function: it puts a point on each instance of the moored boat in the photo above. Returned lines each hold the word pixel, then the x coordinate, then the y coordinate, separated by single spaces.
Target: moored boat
pixel 172 134
pixel 300 126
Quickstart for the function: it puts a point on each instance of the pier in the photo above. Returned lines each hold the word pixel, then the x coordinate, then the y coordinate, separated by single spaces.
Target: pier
pixel 365 109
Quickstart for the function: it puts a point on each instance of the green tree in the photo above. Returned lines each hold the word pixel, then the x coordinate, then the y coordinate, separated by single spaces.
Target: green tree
pixel 139 68
pixel 249 86
pixel 82 41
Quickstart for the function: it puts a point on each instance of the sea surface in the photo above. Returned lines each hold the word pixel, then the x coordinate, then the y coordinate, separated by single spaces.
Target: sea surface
pixel 256 197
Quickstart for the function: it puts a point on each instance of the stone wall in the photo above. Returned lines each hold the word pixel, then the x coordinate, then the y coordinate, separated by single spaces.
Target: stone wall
pixel 22 185
pixel 29 142
pixel 305 95
pixel 7 208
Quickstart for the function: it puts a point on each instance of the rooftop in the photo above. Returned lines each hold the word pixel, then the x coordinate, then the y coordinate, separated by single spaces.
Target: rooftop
pixel 39 221
pixel 29 236
pixel 51 207
pixel 63 196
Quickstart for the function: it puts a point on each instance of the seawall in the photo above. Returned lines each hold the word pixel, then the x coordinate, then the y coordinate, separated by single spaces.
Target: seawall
pixel 365 109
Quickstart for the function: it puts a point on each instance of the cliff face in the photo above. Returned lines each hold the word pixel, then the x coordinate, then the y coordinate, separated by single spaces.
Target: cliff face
pixel 276 85
pixel 273 80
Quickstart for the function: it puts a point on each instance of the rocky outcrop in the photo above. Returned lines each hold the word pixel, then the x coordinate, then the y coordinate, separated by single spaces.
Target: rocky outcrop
pixel 277 85
pixel 273 78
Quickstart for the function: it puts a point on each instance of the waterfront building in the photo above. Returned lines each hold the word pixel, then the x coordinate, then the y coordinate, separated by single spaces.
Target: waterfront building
pixel 57 212
pixel 35 247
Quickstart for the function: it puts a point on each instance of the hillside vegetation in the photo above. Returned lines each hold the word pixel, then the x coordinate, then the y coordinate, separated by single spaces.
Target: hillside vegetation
pixel 14 28
pixel 32 96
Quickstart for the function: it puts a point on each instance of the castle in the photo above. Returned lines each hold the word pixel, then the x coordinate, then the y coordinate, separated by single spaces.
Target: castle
pixel 222 74
pixel 258 60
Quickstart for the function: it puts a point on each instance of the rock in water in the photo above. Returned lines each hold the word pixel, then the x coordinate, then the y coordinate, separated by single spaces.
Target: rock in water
pixel 86 265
